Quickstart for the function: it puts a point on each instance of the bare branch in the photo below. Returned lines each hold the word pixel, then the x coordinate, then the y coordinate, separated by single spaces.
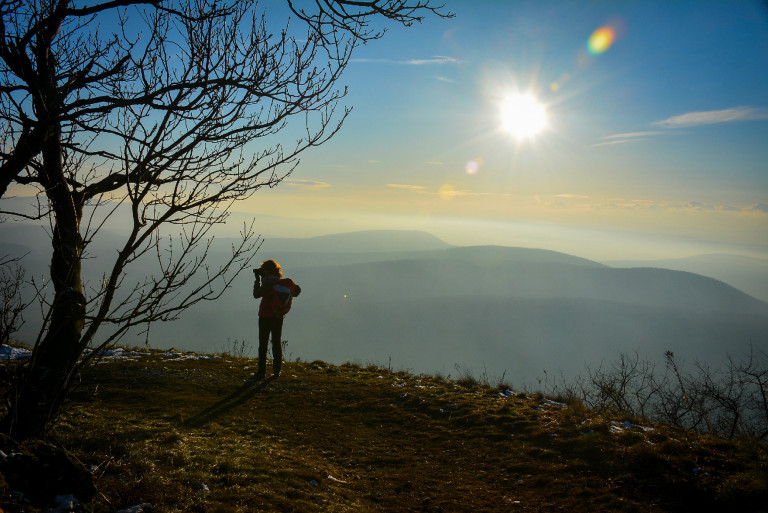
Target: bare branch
pixel 166 127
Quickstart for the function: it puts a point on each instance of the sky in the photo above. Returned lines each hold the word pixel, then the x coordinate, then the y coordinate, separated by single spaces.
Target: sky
pixel 654 141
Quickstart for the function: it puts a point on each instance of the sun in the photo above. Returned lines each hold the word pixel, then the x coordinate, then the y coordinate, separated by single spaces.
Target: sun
pixel 523 116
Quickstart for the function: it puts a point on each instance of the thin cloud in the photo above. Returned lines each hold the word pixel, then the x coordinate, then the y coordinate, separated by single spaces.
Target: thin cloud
pixel 698 118
pixel 677 206
pixel 439 59
pixel 436 60
pixel 760 207
pixel 698 205
pixel 713 117
pixel 610 143
pixel 633 135
pixel 435 163
pixel 577 196
pixel 407 186
pixel 626 137
pixel 464 192
pixel 446 191
pixel 309 185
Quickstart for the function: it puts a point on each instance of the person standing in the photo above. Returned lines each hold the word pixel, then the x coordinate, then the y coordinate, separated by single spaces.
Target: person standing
pixel 276 295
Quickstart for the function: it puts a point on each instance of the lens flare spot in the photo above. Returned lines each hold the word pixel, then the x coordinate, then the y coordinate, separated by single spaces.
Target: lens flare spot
pixel 473 166
pixel 560 82
pixel 600 40
pixel 447 192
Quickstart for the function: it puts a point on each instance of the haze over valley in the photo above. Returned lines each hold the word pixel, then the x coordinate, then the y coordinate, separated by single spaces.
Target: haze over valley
pixel 408 300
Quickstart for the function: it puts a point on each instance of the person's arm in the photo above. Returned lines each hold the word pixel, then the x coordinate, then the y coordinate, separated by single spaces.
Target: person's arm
pixel 261 287
pixel 296 291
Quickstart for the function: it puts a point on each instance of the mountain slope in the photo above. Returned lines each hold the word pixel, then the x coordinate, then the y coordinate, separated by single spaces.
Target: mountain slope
pixel 745 273
pixel 179 433
pixel 496 309
pixel 486 274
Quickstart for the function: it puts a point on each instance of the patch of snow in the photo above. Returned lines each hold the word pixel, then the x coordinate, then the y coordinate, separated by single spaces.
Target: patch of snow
pixel 190 356
pixel 63 503
pixel 620 427
pixel 14 353
pixel 139 508
pixel 118 353
pixel 550 402
pixel 506 393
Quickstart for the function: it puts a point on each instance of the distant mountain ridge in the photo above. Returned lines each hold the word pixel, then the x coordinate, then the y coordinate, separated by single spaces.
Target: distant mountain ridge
pixel 336 250
pixel 427 305
pixel 745 273
pixel 360 242
pixel 489 254
pixel 513 273
pixel 495 308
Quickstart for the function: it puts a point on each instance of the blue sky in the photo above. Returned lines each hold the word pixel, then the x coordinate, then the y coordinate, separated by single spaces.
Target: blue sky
pixel 655 145
pixel 658 146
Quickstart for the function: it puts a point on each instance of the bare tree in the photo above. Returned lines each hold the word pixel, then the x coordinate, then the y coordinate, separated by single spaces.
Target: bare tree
pixel 11 302
pixel 628 384
pixel 729 401
pixel 732 401
pixel 755 375
pixel 178 111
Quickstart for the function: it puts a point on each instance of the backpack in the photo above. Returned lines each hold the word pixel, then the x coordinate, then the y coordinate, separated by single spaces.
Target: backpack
pixel 280 296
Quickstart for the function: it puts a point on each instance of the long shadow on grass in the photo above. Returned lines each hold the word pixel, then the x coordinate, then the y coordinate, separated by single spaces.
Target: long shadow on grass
pixel 236 398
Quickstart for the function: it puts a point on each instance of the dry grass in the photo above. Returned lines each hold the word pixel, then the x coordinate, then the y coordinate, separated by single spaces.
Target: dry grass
pixel 194 435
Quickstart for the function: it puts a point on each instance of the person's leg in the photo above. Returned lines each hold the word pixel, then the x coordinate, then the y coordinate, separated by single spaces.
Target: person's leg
pixel 277 345
pixel 264 331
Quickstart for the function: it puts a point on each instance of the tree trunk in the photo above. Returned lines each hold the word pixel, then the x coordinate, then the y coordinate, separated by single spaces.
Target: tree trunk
pixel 36 398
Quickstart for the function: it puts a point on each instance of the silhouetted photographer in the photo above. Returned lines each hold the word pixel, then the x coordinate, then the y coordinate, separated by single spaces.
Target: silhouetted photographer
pixel 276 295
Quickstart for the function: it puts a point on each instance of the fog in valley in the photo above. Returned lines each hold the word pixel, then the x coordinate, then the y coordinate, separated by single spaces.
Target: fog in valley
pixel 407 300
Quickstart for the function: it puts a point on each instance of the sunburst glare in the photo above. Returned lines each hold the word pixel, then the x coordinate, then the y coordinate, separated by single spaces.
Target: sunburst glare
pixel 523 116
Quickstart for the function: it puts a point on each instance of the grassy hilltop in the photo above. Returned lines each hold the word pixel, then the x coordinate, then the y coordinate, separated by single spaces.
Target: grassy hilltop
pixel 175 433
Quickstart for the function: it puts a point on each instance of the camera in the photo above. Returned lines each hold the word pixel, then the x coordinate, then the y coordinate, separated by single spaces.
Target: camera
pixel 257 273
